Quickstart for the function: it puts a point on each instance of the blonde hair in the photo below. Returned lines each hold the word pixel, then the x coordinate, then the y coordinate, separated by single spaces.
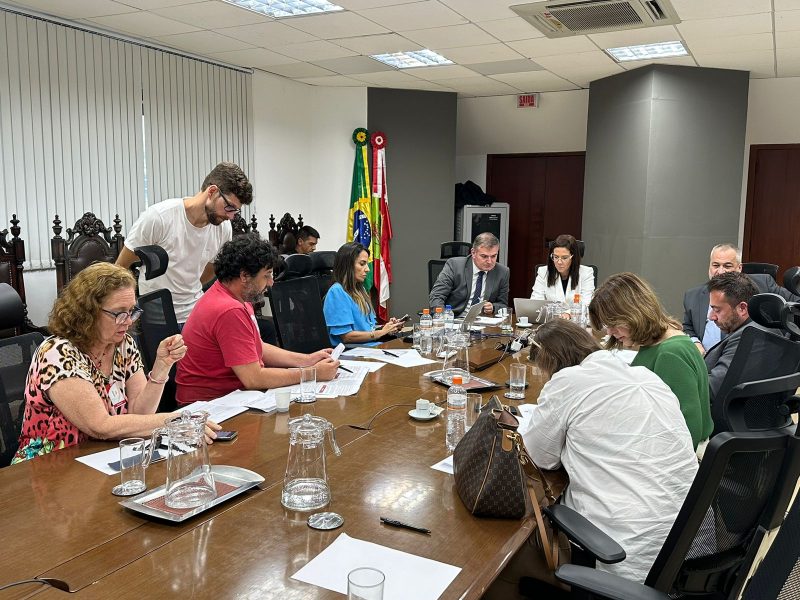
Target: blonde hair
pixel 627 300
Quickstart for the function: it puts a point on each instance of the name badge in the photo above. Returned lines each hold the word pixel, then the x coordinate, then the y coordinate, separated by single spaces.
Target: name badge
pixel 115 394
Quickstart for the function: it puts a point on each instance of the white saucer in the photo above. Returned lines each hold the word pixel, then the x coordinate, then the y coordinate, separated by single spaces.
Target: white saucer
pixel 422 416
pixel 528 324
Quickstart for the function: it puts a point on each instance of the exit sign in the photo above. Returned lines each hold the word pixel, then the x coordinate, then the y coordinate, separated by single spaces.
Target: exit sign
pixel 528 101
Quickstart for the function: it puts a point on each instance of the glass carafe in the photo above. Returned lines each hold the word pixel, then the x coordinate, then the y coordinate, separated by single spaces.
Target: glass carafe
pixel 305 485
pixel 190 482
pixel 456 358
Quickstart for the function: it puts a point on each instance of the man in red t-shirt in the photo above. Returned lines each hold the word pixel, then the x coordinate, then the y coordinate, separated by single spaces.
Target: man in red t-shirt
pixel 225 351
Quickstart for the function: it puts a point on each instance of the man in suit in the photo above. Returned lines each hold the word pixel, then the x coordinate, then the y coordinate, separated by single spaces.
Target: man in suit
pixel 697 323
pixel 728 296
pixel 467 280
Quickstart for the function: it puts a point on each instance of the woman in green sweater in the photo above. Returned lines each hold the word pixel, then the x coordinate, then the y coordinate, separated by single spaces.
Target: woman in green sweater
pixel 632 315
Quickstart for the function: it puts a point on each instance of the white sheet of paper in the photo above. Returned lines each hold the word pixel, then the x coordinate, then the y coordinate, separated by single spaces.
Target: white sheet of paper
pixel 365 353
pixel 407 575
pixel 238 398
pixel 489 320
pixel 337 352
pixel 355 364
pixel 445 466
pixel 410 358
pixel 216 412
pixel 345 384
pixel 100 460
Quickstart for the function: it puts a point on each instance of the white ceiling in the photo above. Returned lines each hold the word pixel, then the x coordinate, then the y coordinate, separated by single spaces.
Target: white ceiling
pixel 494 51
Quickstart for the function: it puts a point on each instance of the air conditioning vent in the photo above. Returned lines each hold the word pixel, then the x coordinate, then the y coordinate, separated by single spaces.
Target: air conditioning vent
pixel 566 17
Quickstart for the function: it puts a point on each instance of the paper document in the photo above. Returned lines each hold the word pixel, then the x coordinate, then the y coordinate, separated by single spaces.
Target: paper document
pixel 407 575
pixel 101 460
pixel 216 412
pixel 489 320
pixel 345 384
pixel 445 466
pixel 337 352
pixel 357 364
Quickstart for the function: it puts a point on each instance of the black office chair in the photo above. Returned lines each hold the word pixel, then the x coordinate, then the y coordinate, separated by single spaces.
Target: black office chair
pixel 16 354
pixel 756 268
pixel 435 267
pixel 766 405
pixel 741 491
pixel 153 259
pixel 451 249
pixel 158 322
pixel 294 266
pixel 297 313
pixel 791 280
pixel 594 272
pixel 322 269
pixel 581 246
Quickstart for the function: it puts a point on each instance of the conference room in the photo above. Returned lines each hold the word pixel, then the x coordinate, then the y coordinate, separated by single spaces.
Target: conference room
pixel 111 107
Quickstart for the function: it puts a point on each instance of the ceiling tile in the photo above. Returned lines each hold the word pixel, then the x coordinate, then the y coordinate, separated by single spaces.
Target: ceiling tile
pixel 150 4
pixel 721 26
pixel 787 39
pixel 418 15
pixel 787 21
pixel 579 60
pixel 387 78
pixel 332 81
pixel 787 4
pixel 709 9
pixel 552 47
pixel 440 72
pixel 422 84
pixel 312 51
pixel 510 30
pixel 77 9
pixel 299 69
pixel 583 76
pixel 362 4
pixel 479 86
pixel 212 15
pixel 737 43
pixel 506 66
pixel 353 64
pixel 789 62
pixel 632 65
pixel 337 25
pixel 454 36
pixel 482 10
pixel 635 37
pixel 202 42
pixel 268 35
pixel 535 81
pixel 378 44
pixel 143 24
pixel 256 58
pixel 488 53
pixel 761 63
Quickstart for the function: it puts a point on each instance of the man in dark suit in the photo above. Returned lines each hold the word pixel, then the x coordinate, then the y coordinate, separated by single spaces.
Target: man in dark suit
pixel 728 296
pixel 697 324
pixel 467 280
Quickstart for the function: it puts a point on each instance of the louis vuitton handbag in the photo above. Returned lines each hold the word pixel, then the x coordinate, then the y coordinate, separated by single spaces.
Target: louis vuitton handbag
pixel 495 476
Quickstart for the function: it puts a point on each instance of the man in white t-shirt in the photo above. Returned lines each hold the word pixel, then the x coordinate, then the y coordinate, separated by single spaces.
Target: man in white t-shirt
pixel 191 230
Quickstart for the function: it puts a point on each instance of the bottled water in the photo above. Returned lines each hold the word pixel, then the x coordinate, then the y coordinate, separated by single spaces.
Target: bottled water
pixel 438 319
pixel 456 413
pixel 425 333
pixel 425 321
pixel 449 317
pixel 576 311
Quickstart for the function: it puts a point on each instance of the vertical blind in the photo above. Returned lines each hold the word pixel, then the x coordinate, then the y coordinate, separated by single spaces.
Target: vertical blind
pixel 89 123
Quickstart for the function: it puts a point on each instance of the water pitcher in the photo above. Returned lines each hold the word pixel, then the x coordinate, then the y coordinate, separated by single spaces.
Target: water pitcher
pixel 456 358
pixel 190 482
pixel 305 485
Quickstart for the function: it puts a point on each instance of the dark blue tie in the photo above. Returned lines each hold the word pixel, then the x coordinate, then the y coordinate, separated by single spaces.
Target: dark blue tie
pixel 478 288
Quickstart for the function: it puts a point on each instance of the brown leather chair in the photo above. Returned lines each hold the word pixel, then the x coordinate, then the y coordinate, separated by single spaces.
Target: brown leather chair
pixel 89 241
pixel 12 257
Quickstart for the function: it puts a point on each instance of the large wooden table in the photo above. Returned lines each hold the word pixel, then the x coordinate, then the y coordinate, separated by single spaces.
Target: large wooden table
pixel 60 519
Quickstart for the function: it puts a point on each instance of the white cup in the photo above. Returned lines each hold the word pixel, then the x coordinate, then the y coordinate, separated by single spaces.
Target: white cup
pixel 523 320
pixel 282 399
pixel 424 407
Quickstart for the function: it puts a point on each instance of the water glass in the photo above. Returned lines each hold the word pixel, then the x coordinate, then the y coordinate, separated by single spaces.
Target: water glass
pixel 308 385
pixel 365 583
pixel 415 335
pixel 131 461
pixel 426 344
pixel 508 324
pixel 516 382
pixel 474 405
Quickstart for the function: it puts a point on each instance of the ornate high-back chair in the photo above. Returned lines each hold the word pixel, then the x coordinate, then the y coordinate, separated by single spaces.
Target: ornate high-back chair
pixel 242 227
pixel 284 237
pixel 12 257
pixel 89 241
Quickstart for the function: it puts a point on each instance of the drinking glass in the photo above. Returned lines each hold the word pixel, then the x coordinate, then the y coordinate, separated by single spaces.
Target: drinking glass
pixel 365 583
pixel 426 344
pixel 131 473
pixel 508 323
pixel 415 336
pixel 474 404
pixel 516 382
pixel 308 385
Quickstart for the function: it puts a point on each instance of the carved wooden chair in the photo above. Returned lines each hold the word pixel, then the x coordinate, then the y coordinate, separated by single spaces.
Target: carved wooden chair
pixel 284 237
pixel 89 241
pixel 241 227
pixel 12 257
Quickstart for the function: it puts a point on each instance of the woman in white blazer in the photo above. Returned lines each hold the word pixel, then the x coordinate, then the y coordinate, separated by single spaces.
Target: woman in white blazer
pixel 564 276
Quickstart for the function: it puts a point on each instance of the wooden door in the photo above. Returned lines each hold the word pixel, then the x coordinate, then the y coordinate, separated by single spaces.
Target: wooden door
pixel 772 214
pixel 545 192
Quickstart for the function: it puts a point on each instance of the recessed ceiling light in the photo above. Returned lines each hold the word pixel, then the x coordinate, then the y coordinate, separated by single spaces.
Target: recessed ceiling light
pixel 413 58
pixel 648 51
pixel 286 8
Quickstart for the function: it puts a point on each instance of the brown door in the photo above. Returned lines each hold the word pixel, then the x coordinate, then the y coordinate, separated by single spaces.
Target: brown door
pixel 545 192
pixel 772 215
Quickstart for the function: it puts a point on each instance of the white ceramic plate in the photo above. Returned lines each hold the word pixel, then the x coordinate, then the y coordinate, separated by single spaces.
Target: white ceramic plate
pixel 422 416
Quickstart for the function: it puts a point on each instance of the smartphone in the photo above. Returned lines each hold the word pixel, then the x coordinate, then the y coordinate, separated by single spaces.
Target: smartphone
pixel 226 436
pixel 404 318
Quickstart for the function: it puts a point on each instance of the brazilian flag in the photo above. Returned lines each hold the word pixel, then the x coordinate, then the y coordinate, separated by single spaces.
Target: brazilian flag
pixel 359 218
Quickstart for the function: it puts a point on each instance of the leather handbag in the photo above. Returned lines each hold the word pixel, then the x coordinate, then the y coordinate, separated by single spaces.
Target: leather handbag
pixel 495 476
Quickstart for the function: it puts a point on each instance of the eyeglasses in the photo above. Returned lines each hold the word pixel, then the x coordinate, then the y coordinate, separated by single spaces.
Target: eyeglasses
pixel 535 347
pixel 120 317
pixel 229 208
pixel 560 258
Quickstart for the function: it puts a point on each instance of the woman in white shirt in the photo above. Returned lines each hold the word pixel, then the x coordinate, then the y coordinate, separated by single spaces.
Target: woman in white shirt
pixel 564 276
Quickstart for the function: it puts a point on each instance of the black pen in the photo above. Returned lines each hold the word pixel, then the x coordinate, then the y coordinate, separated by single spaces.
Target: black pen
pixel 402 525
pixel 391 354
pixel 345 369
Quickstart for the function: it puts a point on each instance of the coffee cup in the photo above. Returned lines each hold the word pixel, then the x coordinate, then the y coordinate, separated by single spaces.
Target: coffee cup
pixel 424 407
pixel 523 320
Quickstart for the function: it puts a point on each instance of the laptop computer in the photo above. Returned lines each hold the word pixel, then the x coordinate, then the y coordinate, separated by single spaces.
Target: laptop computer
pixel 473 313
pixel 533 309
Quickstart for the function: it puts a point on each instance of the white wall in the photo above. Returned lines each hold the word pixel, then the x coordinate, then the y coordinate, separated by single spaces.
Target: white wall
pixel 304 153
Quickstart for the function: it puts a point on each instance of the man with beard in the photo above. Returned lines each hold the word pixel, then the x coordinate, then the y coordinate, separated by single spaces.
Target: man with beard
pixel 191 230
pixel 224 348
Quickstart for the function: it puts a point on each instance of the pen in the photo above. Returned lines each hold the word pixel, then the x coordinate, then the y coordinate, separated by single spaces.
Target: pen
pixel 402 525
pixel 345 369
pixel 391 354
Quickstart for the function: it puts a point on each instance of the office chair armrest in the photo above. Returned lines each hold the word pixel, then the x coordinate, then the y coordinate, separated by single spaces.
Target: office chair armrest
pixel 606 585
pixel 582 532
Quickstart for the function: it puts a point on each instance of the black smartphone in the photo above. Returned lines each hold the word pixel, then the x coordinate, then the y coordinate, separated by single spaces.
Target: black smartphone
pixel 226 436
pixel 404 318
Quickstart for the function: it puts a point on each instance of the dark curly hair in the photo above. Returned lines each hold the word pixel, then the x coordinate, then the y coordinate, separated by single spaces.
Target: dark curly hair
pixel 248 253
pixel 230 179
pixel 75 312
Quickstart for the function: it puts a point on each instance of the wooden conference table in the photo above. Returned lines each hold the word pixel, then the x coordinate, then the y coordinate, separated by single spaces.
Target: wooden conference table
pixel 60 519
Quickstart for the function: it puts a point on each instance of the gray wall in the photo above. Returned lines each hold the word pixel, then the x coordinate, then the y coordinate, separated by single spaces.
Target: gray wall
pixel 420 129
pixel 664 155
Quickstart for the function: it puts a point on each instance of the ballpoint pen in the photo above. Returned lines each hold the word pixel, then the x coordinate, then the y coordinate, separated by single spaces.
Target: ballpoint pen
pixel 391 354
pixel 402 525
pixel 345 369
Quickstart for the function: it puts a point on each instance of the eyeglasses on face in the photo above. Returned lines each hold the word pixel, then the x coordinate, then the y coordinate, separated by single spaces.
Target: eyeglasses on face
pixel 229 208
pixel 120 317
pixel 560 258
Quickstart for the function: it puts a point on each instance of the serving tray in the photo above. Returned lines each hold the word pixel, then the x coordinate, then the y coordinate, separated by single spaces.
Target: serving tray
pixel 230 481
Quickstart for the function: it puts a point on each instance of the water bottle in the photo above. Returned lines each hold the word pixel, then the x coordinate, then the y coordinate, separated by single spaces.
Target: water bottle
pixel 438 319
pixel 425 333
pixel 456 413
pixel 576 310
pixel 449 317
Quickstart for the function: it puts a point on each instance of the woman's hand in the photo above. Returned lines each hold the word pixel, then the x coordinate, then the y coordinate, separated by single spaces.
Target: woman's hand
pixel 326 369
pixel 170 351
pixel 211 431
pixel 317 356
pixel 393 326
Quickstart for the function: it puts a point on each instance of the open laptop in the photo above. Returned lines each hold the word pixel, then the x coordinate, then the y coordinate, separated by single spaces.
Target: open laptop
pixel 469 318
pixel 535 310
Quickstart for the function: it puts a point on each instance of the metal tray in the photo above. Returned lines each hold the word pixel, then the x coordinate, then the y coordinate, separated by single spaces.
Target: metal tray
pixel 243 479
